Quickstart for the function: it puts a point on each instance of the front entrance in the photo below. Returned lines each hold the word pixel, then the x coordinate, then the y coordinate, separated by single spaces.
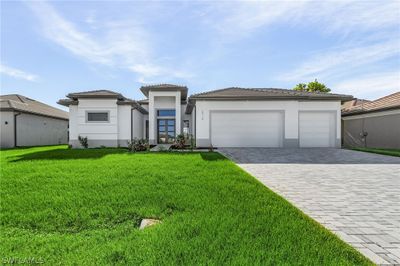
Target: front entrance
pixel 166 131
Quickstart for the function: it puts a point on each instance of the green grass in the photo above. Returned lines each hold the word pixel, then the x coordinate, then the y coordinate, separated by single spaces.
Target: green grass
pixel 391 152
pixel 83 207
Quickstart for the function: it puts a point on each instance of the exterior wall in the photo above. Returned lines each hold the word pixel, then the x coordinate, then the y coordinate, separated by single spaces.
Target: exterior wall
pixel 7 130
pixel 98 133
pixel 383 130
pixel 124 124
pixel 291 116
pixel 163 100
pixel 35 130
pixel 186 117
pixel 137 124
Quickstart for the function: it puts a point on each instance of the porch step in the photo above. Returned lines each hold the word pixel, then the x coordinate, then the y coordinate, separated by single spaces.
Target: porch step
pixel 161 147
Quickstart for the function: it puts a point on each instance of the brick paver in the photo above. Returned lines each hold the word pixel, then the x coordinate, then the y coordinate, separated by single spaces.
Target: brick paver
pixel 354 194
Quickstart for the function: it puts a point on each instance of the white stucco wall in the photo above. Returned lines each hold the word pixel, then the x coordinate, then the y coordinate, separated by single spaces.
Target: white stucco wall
pixel 7 130
pixel 137 124
pixel 124 124
pixel 290 108
pixel 98 133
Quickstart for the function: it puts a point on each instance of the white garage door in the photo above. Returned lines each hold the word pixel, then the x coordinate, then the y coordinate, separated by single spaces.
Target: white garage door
pixel 317 129
pixel 246 129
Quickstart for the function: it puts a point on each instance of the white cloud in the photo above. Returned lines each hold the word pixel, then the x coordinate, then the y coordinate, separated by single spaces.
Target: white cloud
pixel 123 44
pixel 336 62
pixel 370 86
pixel 17 73
pixel 240 18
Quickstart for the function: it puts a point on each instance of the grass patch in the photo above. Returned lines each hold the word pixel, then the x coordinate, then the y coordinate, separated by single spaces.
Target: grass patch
pixel 84 207
pixel 390 152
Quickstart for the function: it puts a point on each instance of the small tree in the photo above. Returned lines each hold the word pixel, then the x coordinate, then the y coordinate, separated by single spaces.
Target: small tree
pixel 313 86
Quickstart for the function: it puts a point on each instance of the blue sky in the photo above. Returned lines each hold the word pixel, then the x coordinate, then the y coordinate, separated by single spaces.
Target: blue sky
pixel 49 49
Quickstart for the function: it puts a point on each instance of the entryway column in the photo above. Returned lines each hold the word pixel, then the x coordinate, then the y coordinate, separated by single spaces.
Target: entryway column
pixel 152 119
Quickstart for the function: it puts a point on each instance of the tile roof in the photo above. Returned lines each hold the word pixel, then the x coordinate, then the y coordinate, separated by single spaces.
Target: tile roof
pixel 266 93
pixel 391 101
pixel 354 102
pixel 73 98
pixel 162 87
pixel 16 102
pixel 95 94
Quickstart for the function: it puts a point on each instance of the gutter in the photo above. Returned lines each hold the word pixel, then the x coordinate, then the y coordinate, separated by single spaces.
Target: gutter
pixel 15 128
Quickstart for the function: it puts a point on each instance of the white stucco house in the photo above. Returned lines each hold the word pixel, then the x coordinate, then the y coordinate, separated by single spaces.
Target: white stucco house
pixel 231 117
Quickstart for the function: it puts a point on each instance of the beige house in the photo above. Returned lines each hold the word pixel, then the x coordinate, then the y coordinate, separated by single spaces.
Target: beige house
pixel 26 122
pixel 373 124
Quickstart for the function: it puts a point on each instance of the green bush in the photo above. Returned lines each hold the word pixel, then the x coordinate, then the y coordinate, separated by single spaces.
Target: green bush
pixel 83 141
pixel 138 145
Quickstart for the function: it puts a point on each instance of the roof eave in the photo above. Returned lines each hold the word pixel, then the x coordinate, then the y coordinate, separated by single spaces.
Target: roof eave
pixel 360 112
pixel 34 113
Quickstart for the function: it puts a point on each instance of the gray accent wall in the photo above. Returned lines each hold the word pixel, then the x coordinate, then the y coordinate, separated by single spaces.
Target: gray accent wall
pixel 35 130
pixel 7 129
pixel 383 132
pixel 290 143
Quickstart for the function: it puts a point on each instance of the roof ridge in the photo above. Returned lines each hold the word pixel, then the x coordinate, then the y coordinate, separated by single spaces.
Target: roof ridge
pixel 163 84
pixel 217 90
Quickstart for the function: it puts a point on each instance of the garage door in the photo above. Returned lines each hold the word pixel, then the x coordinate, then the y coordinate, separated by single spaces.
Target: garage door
pixel 317 129
pixel 246 129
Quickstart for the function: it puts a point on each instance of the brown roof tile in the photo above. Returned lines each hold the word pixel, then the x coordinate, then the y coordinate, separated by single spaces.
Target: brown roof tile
pixel 165 87
pixel 95 94
pixel 16 102
pixel 266 93
pixel 391 101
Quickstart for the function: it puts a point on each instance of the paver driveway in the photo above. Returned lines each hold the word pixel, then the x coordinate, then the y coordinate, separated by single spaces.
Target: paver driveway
pixel 354 194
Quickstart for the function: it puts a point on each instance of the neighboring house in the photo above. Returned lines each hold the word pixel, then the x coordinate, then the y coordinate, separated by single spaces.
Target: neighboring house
pixel 352 103
pixel 374 124
pixel 26 122
pixel 232 117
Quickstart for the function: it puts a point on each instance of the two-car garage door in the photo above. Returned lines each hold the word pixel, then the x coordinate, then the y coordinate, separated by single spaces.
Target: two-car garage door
pixel 246 128
pixel 266 129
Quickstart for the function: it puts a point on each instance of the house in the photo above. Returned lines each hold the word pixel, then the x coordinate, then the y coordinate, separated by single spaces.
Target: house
pixel 374 124
pixel 26 122
pixel 231 117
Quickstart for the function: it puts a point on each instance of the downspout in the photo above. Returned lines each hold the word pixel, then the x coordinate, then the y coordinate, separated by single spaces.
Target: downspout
pixel 15 128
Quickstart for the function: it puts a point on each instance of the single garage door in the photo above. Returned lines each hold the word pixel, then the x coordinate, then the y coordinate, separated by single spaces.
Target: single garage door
pixel 246 128
pixel 317 129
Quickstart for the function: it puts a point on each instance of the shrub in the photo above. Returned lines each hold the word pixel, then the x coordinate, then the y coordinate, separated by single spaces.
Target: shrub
pixel 138 145
pixel 180 141
pixel 83 141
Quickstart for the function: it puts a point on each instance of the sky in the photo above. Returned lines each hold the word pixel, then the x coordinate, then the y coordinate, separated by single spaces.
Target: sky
pixel 49 49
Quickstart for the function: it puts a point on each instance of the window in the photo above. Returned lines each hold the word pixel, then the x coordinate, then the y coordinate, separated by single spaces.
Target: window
pixel 166 112
pixel 97 117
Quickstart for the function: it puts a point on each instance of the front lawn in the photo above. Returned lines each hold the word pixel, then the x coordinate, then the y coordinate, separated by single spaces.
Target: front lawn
pixel 83 207
pixel 390 152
